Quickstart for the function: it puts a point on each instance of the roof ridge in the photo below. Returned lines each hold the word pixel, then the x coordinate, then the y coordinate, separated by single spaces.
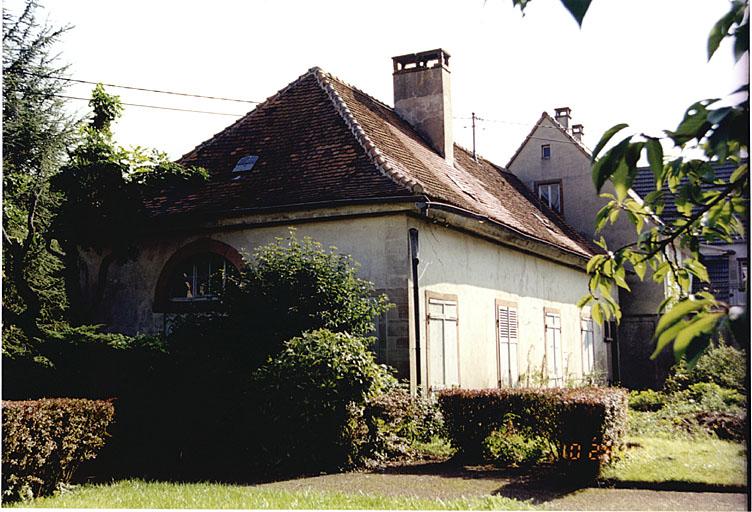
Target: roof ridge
pixel 264 103
pixel 372 151
pixel 569 135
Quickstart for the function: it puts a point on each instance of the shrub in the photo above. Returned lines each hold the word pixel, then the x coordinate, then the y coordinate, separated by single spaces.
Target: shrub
pixel 720 364
pixel 45 440
pixel 508 447
pixel 724 425
pixel 397 421
pixel 288 287
pixel 647 400
pixel 579 424
pixel 309 402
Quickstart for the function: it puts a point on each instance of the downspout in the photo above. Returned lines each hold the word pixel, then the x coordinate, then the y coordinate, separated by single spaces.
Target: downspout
pixel 414 250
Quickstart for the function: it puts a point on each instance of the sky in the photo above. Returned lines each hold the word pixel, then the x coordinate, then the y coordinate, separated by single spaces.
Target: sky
pixel 641 62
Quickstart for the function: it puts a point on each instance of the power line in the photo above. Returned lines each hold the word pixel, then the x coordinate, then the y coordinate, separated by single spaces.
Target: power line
pixel 144 89
pixel 156 107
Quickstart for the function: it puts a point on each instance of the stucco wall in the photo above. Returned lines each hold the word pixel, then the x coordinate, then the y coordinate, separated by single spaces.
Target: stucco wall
pixel 379 244
pixel 478 272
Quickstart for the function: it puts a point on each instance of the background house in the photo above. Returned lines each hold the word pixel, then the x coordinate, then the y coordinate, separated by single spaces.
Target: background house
pixel 485 281
pixel 556 167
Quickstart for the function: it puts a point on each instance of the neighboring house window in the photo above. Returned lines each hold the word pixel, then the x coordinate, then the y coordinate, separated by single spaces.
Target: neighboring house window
pixel 443 350
pixel 549 192
pixel 743 267
pixel 546 151
pixel 507 327
pixel 553 347
pixel 588 345
pixel 201 277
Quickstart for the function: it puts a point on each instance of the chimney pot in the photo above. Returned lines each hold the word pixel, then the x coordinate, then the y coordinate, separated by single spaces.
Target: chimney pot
pixel 422 97
pixel 563 116
pixel 578 132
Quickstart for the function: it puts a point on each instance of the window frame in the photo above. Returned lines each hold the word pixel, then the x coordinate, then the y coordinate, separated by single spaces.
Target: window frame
pixel 546 183
pixel 443 297
pixel 557 347
pixel 589 321
pixel 545 151
pixel 510 305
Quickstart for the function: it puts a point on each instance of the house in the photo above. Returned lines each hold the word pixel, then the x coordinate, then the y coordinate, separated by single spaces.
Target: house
pixel 555 165
pixel 727 263
pixel 484 279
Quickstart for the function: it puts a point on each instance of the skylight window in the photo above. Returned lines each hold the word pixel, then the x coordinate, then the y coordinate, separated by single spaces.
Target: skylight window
pixel 246 163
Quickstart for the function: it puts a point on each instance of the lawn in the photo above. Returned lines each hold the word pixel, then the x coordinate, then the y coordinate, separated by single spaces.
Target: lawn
pixel 649 460
pixel 699 460
pixel 140 494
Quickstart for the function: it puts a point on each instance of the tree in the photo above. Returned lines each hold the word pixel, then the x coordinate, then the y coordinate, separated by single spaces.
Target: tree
pixel 671 249
pixel 36 131
pixel 102 188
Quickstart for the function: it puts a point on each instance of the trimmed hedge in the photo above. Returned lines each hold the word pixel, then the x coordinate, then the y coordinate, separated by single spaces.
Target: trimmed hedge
pixel 45 440
pixel 581 425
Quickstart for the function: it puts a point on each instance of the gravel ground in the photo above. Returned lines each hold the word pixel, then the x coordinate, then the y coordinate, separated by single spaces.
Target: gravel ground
pixel 438 480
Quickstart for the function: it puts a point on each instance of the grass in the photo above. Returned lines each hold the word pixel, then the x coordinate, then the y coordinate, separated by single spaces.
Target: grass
pixel 698 460
pixel 140 494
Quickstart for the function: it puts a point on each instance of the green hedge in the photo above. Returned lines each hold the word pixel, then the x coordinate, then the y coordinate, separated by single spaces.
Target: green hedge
pixel 45 440
pixel 581 425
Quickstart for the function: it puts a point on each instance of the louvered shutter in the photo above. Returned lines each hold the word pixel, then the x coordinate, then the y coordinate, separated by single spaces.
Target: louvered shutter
pixel 508 338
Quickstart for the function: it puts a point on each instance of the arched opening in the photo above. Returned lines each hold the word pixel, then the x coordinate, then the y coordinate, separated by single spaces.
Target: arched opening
pixel 195 276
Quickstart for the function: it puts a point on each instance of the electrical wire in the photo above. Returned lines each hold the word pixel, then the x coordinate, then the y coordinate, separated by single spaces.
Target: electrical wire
pixel 156 107
pixel 144 89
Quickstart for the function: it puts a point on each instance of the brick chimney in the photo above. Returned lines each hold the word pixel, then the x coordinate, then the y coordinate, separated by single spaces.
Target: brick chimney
pixel 563 116
pixel 577 132
pixel 423 98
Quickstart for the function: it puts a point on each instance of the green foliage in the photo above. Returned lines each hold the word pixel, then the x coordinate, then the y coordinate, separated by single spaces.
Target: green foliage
pixel 105 185
pixel 398 421
pixel 36 131
pixel 309 401
pixel 577 8
pixel 709 209
pixel 591 418
pixel 287 287
pixel 44 441
pixel 508 447
pixel 647 400
pixel 721 364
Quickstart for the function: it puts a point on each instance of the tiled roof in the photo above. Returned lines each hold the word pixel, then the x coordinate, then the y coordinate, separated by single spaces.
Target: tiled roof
pixel 644 183
pixel 321 140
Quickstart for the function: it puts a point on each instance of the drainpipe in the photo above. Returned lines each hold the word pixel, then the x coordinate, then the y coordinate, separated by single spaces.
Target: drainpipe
pixel 414 250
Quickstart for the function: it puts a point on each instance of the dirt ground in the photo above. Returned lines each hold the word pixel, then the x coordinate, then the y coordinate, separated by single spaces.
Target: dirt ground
pixel 441 480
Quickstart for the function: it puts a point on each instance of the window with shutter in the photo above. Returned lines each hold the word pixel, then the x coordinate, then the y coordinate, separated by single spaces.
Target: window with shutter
pixel 553 347
pixel 588 346
pixel 508 337
pixel 443 350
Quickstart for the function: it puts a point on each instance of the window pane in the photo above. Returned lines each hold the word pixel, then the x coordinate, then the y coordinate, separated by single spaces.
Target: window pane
pixel 451 355
pixel 543 194
pixel 436 349
pixel 555 200
pixel 435 309
pixel 181 282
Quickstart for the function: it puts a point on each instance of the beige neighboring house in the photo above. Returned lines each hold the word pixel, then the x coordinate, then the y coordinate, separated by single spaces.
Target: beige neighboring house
pixel 555 165
pixel 485 281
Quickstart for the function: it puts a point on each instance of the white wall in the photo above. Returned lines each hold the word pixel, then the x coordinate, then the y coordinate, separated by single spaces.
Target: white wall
pixel 478 272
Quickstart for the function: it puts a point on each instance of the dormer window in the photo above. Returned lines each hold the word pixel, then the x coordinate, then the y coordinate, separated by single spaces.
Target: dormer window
pixel 549 193
pixel 546 151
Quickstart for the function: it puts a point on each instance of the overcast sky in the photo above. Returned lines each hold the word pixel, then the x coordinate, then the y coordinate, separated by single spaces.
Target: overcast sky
pixel 637 61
